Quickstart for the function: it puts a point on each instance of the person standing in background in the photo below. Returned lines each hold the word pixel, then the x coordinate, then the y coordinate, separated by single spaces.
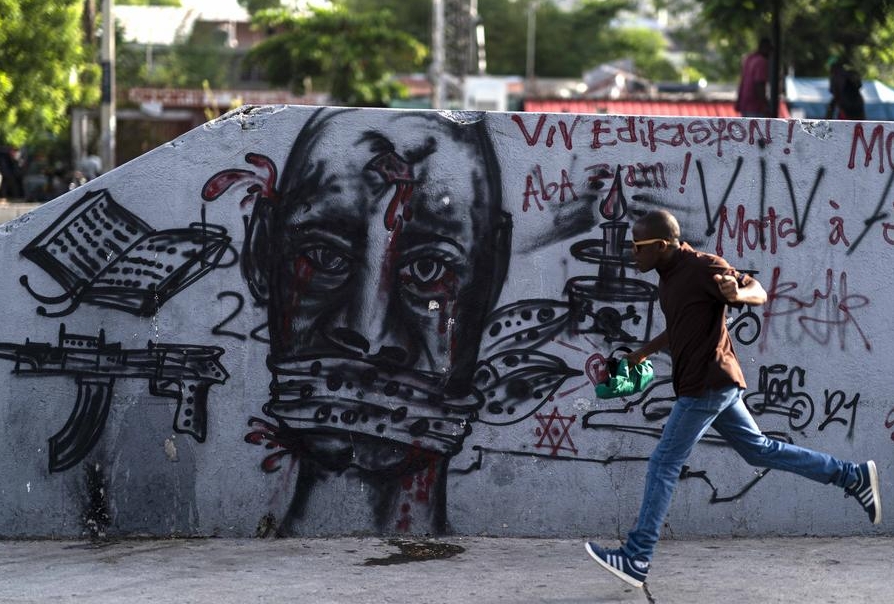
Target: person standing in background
pixel 844 85
pixel 751 99
pixel 90 165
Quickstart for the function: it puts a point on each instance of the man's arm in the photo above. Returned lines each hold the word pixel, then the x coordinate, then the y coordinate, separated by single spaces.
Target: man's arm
pixel 752 294
pixel 638 356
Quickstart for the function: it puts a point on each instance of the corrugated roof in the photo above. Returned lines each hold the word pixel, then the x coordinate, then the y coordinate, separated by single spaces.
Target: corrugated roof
pixel 640 107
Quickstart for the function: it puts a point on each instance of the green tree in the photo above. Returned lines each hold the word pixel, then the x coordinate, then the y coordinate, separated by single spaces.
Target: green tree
pixel 351 54
pixel 569 42
pixel 813 30
pixel 648 49
pixel 410 16
pixel 203 57
pixel 45 67
pixel 199 58
pixel 255 6
pixel 131 64
pixel 148 2
pixel 505 31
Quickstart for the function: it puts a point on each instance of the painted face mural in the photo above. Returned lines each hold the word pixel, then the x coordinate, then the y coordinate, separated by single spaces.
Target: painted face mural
pixel 379 261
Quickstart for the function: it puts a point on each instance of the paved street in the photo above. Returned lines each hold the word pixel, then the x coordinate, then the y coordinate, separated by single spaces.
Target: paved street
pixel 449 570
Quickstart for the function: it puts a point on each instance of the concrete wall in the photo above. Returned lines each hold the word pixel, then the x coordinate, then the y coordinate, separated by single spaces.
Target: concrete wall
pixel 364 321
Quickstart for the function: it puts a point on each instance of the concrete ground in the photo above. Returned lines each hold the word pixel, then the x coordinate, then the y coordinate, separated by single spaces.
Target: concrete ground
pixel 448 570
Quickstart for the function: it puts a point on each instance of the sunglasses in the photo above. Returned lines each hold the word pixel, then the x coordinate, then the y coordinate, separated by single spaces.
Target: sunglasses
pixel 643 242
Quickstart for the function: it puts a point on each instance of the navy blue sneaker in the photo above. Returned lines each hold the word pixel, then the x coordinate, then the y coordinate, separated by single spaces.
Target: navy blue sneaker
pixel 865 491
pixel 619 564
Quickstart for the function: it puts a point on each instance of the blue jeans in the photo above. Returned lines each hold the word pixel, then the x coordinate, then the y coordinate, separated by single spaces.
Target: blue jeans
pixel 689 420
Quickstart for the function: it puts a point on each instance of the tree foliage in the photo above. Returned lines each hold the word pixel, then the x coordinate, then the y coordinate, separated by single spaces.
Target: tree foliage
pixel 410 16
pixel 349 53
pixel 202 57
pixel 812 32
pixel 255 6
pixel 567 42
pixel 44 68
pixel 148 2
pixel 351 48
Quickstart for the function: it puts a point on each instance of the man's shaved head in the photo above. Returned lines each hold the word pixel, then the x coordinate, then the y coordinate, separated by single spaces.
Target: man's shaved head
pixel 658 224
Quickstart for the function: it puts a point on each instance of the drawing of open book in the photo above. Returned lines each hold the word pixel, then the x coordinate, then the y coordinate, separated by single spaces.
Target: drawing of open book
pixel 104 255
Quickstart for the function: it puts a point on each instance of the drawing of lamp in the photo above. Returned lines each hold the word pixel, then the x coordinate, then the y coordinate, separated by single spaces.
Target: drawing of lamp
pixel 611 304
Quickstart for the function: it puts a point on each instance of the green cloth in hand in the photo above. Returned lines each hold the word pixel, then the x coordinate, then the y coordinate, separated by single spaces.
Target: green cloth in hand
pixel 626 381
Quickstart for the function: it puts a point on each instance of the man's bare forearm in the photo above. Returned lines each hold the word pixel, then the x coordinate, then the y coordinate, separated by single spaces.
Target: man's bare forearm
pixel 660 342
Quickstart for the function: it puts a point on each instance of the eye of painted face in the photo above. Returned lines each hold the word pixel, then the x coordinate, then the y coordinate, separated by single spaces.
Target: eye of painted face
pixel 426 270
pixel 429 272
pixel 327 259
pixel 432 270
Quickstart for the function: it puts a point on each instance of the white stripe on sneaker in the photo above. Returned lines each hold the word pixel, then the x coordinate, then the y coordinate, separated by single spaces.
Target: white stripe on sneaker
pixel 614 564
pixel 876 494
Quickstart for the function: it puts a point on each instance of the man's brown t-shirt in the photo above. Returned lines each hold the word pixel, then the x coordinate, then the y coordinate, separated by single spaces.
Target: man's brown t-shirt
pixel 695 313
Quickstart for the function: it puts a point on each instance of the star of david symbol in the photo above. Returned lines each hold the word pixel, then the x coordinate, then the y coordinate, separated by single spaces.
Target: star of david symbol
pixel 554 428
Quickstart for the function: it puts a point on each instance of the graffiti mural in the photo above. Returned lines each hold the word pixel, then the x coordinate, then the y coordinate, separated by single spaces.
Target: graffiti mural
pixel 373 321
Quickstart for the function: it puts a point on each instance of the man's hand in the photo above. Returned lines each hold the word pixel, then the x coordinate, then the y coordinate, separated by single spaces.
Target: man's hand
pixel 635 358
pixel 728 286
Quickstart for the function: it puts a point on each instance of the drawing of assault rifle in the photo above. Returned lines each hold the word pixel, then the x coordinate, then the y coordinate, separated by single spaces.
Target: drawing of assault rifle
pixel 180 371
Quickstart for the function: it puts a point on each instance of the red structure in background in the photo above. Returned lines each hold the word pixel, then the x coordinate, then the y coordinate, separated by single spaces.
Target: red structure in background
pixel 685 108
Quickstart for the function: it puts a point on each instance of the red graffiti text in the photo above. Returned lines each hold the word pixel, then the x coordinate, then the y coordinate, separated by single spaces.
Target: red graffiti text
pixel 765 233
pixel 822 315
pixel 652 134
pixel 644 176
pixel 879 141
pixel 538 189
